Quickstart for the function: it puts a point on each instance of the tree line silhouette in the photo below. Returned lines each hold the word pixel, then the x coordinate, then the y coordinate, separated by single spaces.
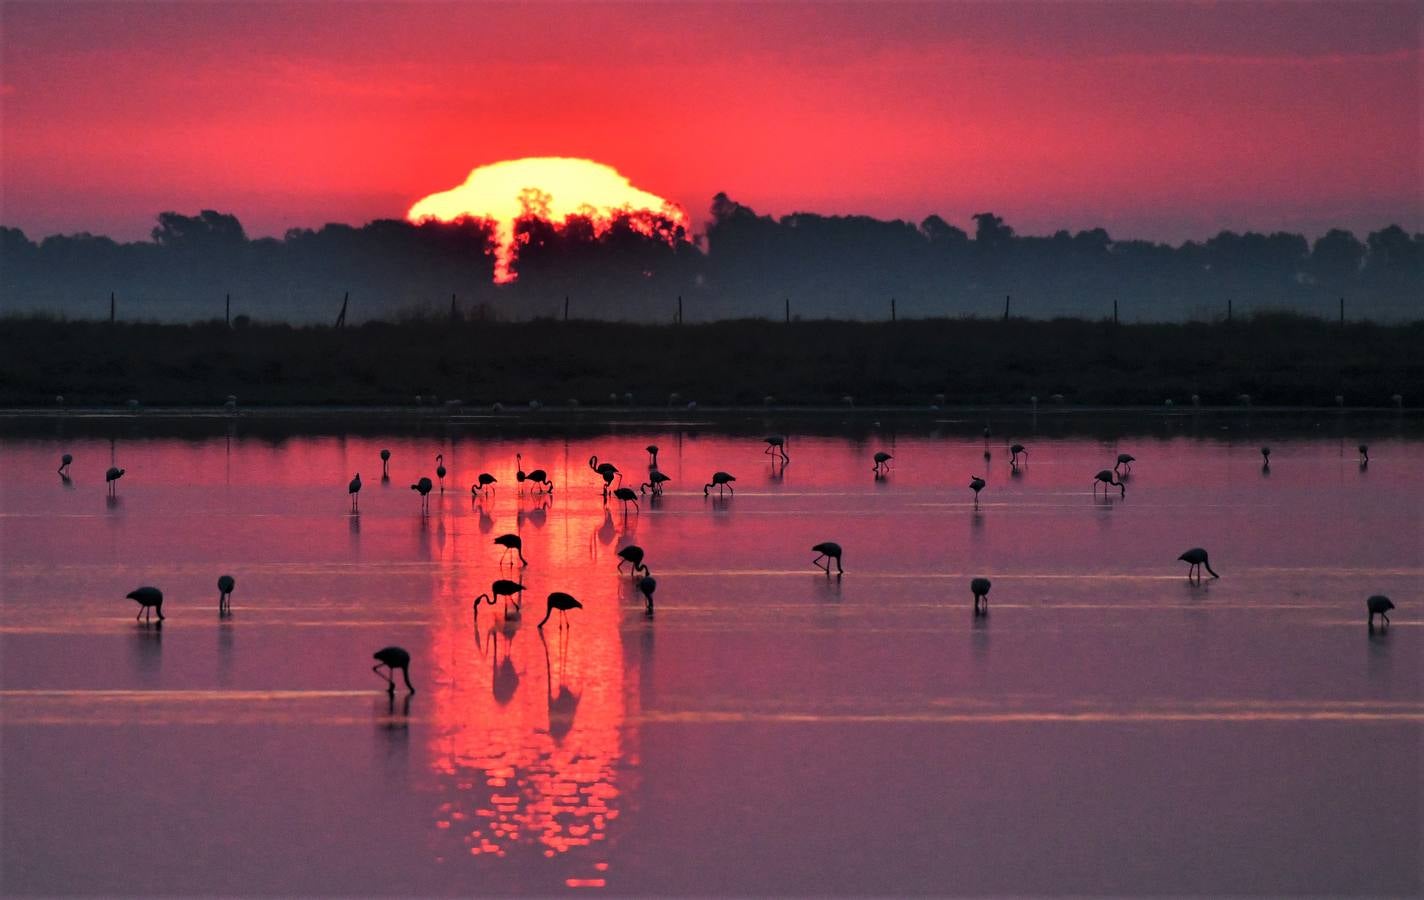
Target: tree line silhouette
pixel 642 266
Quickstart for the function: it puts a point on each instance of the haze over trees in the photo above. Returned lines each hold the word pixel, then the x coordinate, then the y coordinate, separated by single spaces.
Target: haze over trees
pixel 743 265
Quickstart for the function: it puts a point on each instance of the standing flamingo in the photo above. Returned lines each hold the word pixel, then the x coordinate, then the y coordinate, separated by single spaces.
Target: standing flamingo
pixel 656 480
pixel 393 658
pixel 385 464
pixel 504 588
pixel 1265 457
pixel 1124 459
pixel 440 470
pixel 225 585
pixel 1364 454
pixel 424 487
pixel 776 444
pixel 112 476
pixel 980 587
pixel 647 585
pixel 482 483
pixel 627 495
pixel 511 542
pixel 652 455
pixel 720 480
pixel 882 462
pixel 354 489
pixel 519 475
pixel 563 603
pixel 1196 558
pixel 64 462
pixel 976 484
pixel 1379 605
pixel 1014 451
pixel 150 599
pixel 828 550
pixel 631 554
pixel 1106 478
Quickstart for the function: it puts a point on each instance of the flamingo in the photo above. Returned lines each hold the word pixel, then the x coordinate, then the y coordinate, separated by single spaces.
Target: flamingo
pixel 511 542
pixel 882 462
pixel 149 599
pixel 608 482
pixel 225 585
pixel 1014 451
pixel 1379 605
pixel 505 588
pixel 976 484
pixel 440 470
pixel 656 480
pixel 1266 457
pixel 64 462
pixel 632 554
pixel 627 495
pixel 720 480
pixel 354 488
pixel 980 587
pixel 652 455
pixel 647 585
pixel 423 486
pixel 541 478
pixel 519 475
pixel 113 475
pixel 607 469
pixel 1364 454
pixel 828 550
pixel 1125 459
pixel 1107 479
pixel 563 603
pixel 385 464
pixel 1196 558
pixel 776 443
pixel 482 483
pixel 393 658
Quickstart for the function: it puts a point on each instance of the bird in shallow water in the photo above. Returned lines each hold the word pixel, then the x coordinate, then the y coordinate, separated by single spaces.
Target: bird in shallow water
pixel 720 480
pixel 150 600
pixel 1196 558
pixel 882 462
pixel 1265 457
pixel 631 555
pixel 225 585
pixel 1379 605
pixel 424 487
pixel 563 603
pixel 503 587
pixel 440 470
pixel 627 495
pixel 828 550
pixel 393 658
pixel 647 585
pixel 385 464
pixel 482 483
pixel 1364 455
pixel 64 462
pixel 776 444
pixel 112 476
pixel 353 488
pixel 976 484
pixel 652 455
pixel 655 481
pixel 511 542
pixel 1124 459
pixel 1107 478
pixel 1015 451
pixel 980 587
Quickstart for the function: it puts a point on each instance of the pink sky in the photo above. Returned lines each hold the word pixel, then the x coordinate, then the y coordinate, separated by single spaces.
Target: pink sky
pixel 1161 120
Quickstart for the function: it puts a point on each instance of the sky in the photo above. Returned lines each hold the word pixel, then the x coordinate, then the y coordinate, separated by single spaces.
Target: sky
pixel 1160 120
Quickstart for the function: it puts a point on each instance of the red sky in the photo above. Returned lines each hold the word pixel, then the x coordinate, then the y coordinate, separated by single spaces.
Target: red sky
pixel 1162 120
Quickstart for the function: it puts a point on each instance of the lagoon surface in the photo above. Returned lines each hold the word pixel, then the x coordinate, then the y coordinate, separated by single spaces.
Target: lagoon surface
pixel 1108 728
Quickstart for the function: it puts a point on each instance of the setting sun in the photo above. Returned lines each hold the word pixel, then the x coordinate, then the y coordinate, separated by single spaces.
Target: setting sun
pixel 551 187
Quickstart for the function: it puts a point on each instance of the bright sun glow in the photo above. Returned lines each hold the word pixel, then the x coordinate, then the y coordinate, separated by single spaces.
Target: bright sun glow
pixel 551 187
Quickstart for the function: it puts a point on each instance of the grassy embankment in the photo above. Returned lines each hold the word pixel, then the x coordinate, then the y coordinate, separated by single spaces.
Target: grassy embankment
pixel 1278 360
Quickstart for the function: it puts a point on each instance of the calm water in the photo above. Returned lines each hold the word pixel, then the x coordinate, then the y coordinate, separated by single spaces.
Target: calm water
pixel 1109 727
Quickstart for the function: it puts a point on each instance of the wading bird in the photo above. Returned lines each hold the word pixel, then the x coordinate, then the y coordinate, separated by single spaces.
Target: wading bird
pixel 482 483
pixel 647 586
pixel 353 488
pixel 150 600
pixel 608 470
pixel 385 464
pixel 112 476
pixel 424 487
pixel 393 658
pixel 1014 451
pixel 655 481
pixel 503 588
pixel 64 462
pixel 632 555
pixel 627 495
pixel 541 478
pixel 563 603
pixel 440 470
pixel 652 455
pixel 719 480
pixel 1364 454
pixel 980 587
pixel 225 585
pixel 1379 605
pixel 1106 478
pixel 976 484
pixel 1196 559
pixel 511 542
pixel 1266 457
pixel 1124 459
pixel 882 462
pixel 828 550
pixel 776 444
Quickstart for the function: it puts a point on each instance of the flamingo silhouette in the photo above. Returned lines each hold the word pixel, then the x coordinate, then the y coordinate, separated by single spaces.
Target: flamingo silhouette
pixel 502 588
pixel 882 462
pixel 440 470
pixel 631 555
pixel 563 603
pixel 354 489
pixel 1379 605
pixel 608 470
pixel 482 483
pixel 519 475
pixel 976 484
pixel 1265 457
pixel 424 487
pixel 647 585
pixel 652 455
pixel 828 550
pixel 225 585
pixel 150 599
pixel 64 462
pixel 720 480
pixel 655 481
pixel 627 495
pixel 1014 451
pixel 1364 455
pixel 112 476
pixel 1124 459
pixel 385 464
pixel 393 658
pixel 1106 478
pixel 980 587
pixel 1196 558
pixel 776 444
pixel 511 542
